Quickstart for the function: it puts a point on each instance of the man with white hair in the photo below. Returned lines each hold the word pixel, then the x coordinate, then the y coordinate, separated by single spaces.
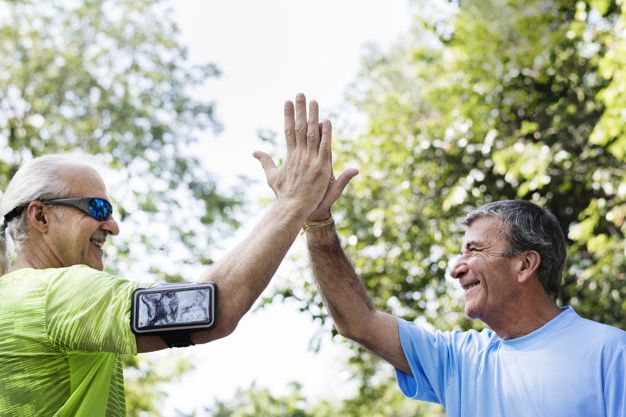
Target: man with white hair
pixel 64 322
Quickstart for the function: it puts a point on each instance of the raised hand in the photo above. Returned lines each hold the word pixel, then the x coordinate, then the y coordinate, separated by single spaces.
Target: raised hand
pixel 304 178
pixel 333 192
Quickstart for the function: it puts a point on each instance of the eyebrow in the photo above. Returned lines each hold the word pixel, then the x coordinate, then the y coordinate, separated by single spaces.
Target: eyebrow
pixel 473 243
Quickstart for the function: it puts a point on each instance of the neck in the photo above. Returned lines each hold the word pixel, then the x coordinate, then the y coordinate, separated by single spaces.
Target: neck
pixel 524 318
pixel 28 257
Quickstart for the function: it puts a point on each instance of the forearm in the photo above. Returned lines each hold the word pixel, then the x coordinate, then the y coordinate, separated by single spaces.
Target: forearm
pixel 347 300
pixel 343 292
pixel 243 274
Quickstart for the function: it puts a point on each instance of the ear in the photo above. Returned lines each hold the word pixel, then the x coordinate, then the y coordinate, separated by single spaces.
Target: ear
pixel 529 264
pixel 37 216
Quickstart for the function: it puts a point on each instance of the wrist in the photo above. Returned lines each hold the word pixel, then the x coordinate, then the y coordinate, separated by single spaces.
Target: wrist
pixel 319 216
pixel 316 224
pixel 321 235
pixel 292 208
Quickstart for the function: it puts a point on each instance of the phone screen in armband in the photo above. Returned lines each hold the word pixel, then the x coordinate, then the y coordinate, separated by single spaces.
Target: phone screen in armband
pixel 167 308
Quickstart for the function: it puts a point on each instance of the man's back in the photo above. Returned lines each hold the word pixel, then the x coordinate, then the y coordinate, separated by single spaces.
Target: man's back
pixel 53 322
pixel 568 367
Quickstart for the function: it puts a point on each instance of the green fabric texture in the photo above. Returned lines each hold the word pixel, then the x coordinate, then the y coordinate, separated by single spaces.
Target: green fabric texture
pixel 62 332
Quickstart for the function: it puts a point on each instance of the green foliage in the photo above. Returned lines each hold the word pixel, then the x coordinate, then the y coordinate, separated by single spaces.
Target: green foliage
pixel 109 78
pixel 145 383
pixel 491 100
pixel 260 402
pixel 253 402
pixel 511 102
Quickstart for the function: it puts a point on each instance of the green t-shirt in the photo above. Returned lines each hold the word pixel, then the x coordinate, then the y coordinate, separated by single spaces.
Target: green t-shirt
pixel 61 335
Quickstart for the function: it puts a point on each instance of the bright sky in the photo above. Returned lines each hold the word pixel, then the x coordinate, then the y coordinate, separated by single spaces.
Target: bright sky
pixel 268 51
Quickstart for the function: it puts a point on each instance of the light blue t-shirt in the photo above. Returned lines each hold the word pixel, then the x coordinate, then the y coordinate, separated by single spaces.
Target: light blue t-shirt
pixel 570 367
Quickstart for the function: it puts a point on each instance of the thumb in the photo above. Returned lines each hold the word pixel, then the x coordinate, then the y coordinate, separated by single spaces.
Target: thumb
pixel 266 161
pixel 341 182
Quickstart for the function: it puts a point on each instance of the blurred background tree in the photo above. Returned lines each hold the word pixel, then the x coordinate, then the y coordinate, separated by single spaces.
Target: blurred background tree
pixel 260 402
pixel 109 78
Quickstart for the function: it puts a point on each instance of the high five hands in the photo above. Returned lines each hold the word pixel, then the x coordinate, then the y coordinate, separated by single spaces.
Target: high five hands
pixel 306 178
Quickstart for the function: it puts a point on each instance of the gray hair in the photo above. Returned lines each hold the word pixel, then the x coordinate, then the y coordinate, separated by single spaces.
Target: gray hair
pixel 530 227
pixel 38 179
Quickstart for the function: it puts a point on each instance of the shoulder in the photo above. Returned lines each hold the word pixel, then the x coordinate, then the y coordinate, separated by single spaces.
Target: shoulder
pixel 31 278
pixel 79 270
pixel 596 328
pixel 84 280
pixel 470 340
pixel 81 273
pixel 596 335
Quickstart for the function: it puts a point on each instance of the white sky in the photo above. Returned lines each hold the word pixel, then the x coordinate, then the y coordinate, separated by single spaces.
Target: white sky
pixel 268 51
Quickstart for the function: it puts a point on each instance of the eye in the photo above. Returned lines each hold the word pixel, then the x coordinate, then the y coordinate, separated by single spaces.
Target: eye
pixel 471 250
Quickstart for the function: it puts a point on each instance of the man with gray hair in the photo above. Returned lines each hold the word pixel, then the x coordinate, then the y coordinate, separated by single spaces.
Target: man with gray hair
pixel 64 322
pixel 535 359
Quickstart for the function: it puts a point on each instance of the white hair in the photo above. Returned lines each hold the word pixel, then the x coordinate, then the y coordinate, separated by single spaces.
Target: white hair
pixel 38 179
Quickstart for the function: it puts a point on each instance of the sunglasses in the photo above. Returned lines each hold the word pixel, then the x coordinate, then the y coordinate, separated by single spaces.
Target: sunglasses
pixel 98 208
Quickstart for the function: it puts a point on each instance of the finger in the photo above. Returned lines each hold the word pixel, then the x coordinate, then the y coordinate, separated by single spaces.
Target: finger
pixel 337 187
pixel 327 133
pixel 345 178
pixel 300 120
pixel 290 126
pixel 267 163
pixel 313 133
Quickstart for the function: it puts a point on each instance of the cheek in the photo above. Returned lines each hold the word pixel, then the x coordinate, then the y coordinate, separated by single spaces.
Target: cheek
pixel 477 267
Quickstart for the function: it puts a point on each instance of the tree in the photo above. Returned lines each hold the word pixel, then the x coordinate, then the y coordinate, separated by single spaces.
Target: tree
pixel 485 101
pixel 110 78
pixel 260 402
pixel 257 402
pixel 145 381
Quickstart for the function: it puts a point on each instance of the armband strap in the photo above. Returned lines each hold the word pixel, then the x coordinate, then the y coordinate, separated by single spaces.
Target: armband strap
pixel 174 311
pixel 177 339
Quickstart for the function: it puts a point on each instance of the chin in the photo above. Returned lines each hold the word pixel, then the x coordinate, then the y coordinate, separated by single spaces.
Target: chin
pixel 472 311
pixel 470 314
pixel 99 265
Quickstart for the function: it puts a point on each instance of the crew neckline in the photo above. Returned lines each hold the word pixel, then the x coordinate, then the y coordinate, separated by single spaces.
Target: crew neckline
pixel 566 313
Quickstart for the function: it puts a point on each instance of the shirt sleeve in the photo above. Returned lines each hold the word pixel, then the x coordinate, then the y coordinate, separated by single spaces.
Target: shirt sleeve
pixel 615 385
pixel 434 358
pixel 425 352
pixel 89 310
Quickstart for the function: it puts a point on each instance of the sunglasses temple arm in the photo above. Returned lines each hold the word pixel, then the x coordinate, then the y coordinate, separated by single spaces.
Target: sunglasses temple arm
pixel 84 205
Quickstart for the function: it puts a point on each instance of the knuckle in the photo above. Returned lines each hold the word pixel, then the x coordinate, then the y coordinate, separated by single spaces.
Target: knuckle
pixel 289 131
pixel 300 127
pixel 318 170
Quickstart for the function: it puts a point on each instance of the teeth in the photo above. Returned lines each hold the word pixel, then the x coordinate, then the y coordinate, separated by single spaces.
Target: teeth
pixel 472 285
pixel 98 243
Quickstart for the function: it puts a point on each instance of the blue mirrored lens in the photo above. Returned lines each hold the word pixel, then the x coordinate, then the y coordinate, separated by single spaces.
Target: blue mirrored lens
pixel 100 209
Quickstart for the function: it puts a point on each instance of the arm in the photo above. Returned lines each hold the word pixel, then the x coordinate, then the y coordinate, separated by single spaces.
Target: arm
pixel 299 185
pixel 348 303
pixel 343 292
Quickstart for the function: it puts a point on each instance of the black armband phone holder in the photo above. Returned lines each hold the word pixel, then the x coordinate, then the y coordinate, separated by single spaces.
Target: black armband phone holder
pixel 173 311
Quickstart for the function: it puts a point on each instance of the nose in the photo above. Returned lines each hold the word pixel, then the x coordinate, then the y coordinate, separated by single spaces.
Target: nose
pixel 111 226
pixel 458 267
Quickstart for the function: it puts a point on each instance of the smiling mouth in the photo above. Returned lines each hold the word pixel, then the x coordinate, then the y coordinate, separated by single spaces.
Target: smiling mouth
pixel 98 243
pixel 470 285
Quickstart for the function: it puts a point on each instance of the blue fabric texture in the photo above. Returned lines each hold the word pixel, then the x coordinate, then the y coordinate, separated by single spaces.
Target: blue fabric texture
pixel 569 367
